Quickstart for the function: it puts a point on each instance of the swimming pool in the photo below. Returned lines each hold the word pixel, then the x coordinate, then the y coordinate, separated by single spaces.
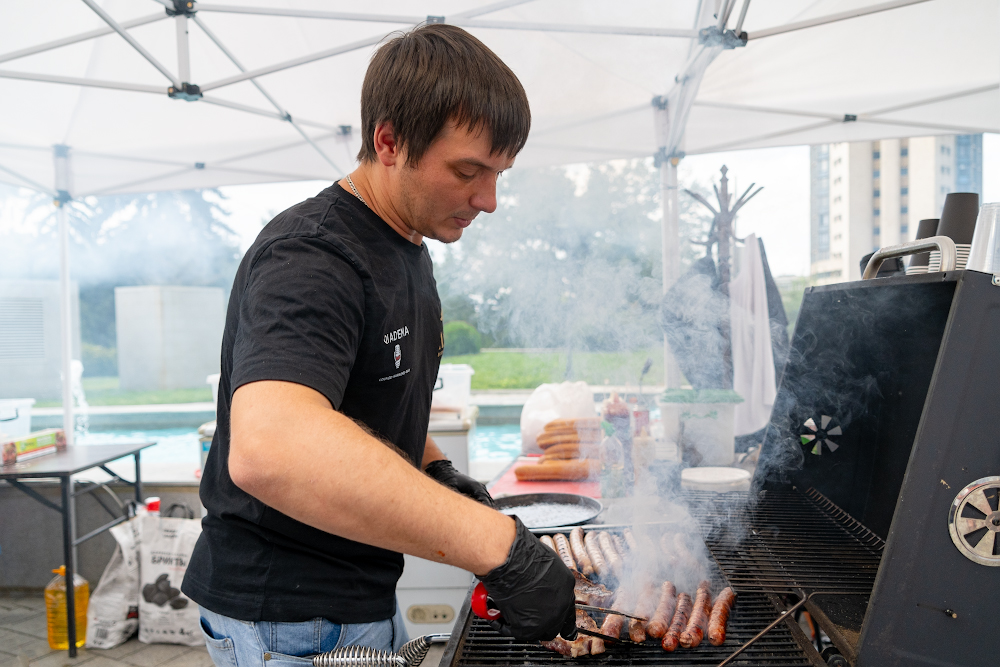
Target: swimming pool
pixel 181 446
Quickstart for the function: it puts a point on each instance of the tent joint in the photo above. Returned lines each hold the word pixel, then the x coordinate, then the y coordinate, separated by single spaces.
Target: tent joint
pixel 182 8
pixel 434 19
pixel 189 92
pixel 714 36
pixel 850 118
pixel 661 157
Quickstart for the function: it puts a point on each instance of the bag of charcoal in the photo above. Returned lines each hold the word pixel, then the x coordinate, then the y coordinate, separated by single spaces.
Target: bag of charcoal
pixel 166 616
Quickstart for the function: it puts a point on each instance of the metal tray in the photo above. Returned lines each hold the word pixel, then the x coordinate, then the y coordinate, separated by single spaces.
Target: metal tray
pixel 579 509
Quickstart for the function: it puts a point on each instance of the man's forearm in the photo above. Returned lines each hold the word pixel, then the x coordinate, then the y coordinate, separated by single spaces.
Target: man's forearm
pixel 341 480
pixel 432 453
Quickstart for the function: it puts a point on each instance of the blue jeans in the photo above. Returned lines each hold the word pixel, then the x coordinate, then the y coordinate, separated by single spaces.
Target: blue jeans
pixel 234 643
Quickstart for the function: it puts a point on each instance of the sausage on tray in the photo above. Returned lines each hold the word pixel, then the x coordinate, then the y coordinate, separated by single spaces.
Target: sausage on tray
pixel 660 620
pixel 562 547
pixel 647 604
pixel 596 557
pixel 580 552
pixel 678 623
pixel 610 554
pixel 698 622
pixel 720 615
pixel 547 541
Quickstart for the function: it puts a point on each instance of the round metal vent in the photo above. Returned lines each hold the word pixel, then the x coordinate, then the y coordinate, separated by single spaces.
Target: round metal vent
pixel 974 521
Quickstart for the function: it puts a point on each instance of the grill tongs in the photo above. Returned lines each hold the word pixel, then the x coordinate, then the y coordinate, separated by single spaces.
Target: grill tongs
pixel 483 607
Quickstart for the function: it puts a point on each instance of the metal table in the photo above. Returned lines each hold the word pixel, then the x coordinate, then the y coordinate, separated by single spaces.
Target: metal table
pixel 62 466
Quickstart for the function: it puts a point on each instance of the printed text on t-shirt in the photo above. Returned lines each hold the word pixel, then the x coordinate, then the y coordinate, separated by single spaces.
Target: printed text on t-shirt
pixel 393 336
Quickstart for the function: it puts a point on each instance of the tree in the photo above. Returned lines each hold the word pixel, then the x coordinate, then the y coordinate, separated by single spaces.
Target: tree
pixel 570 263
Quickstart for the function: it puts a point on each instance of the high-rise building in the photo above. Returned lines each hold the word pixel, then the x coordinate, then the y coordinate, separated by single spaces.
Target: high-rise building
pixel 870 194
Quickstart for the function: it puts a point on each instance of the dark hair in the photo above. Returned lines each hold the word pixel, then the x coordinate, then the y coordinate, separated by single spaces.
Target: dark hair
pixel 420 80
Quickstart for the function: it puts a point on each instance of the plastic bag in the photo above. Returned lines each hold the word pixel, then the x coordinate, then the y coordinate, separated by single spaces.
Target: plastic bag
pixel 166 615
pixel 113 614
pixel 566 400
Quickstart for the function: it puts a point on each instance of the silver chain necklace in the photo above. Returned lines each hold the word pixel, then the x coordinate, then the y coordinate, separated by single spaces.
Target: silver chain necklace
pixel 355 190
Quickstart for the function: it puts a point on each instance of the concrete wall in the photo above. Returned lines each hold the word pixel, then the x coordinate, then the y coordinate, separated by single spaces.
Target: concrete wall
pixel 30 353
pixel 168 337
pixel 31 534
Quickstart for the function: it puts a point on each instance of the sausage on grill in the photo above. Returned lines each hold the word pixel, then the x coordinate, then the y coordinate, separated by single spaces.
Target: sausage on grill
pixel 620 545
pixel 630 540
pixel 698 622
pixel 610 554
pixel 562 547
pixel 657 626
pixel 547 541
pixel 596 557
pixel 613 623
pixel 679 622
pixel 720 615
pixel 580 552
pixel 647 603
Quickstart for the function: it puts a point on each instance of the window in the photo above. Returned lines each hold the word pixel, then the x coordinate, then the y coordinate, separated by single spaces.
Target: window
pixel 904 209
pixel 904 171
pixel 904 229
pixel 837 180
pixel 876 174
pixel 945 150
pixel 876 155
pixel 836 162
pixel 944 189
pixel 836 218
pixel 836 199
pixel 876 230
pixel 945 170
pixel 877 193
pixel 904 191
pixel 903 152
pixel 876 212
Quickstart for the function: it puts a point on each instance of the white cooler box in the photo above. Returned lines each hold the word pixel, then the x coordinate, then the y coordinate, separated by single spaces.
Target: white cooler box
pixel 15 416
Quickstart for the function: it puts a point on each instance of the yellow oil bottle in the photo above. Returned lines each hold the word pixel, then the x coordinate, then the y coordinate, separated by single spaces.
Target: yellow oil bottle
pixel 55 609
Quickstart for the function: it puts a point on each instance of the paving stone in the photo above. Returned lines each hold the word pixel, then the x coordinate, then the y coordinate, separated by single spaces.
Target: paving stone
pixel 34 648
pixel 62 659
pixel 154 655
pixel 36 626
pixel 193 658
pixel 119 652
pixel 10 640
pixel 103 661
pixel 17 615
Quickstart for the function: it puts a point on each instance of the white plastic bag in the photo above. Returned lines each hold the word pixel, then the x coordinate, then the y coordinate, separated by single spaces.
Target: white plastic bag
pixel 167 616
pixel 566 400
pixel 113 612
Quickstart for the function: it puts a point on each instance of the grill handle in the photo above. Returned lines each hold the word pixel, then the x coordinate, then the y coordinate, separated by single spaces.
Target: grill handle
pixel 941 243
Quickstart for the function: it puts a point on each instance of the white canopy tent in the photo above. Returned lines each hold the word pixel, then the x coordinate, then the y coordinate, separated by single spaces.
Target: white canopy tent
pixel 140 95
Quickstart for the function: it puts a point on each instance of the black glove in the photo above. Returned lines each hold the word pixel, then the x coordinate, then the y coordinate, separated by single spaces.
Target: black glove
pixel 444 472
pixel 533 590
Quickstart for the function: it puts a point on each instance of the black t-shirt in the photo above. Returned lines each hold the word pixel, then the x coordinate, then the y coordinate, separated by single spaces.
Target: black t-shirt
pixel 330 297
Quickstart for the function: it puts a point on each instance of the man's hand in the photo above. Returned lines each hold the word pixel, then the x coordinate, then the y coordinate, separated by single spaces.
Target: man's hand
pixel 443 471
pixel 533 590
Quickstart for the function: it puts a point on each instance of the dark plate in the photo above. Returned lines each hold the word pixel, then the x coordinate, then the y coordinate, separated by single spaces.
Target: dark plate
pixel 548 510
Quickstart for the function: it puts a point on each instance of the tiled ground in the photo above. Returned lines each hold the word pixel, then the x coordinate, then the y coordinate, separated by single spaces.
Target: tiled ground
pixel 23 643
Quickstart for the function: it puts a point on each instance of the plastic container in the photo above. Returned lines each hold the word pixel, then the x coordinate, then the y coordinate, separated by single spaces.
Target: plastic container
pixel 55 609
pixel 453 388
pixel 15 416
pixel 718 479
pixel 153 505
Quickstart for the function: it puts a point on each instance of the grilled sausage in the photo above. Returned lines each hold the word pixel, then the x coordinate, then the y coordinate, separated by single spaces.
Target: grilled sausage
pixel 547 541
pixel 556 471
pixel 580 552
pixel 657 626
pixel 596 557
pixel 620 546
pixel 698 622
pixel 613 623
pixel 610 554
pixel 678 623
pixel 647 603
pixel 630 540
pixel 562 547
pixel 720 615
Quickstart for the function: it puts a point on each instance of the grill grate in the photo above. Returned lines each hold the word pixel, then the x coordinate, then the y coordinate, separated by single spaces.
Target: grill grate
pixel 484 647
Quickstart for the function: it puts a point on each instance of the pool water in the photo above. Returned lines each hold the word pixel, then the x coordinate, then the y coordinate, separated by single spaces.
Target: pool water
pixel 180 445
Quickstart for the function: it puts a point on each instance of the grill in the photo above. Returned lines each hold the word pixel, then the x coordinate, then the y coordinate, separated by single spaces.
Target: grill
pixel 876 502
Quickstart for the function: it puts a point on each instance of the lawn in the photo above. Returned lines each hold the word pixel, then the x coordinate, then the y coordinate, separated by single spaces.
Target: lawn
pixel 515 369
pixel 105 391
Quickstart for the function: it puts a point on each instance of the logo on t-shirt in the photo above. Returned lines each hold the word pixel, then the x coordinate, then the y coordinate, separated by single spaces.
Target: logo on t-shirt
pixel 397 356
pixel 393 336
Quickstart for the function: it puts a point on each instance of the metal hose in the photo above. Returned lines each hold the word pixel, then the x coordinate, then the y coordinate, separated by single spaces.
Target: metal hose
pixel 411 654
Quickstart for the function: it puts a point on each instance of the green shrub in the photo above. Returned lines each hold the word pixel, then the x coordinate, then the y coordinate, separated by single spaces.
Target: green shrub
pixel 461 338
pixel 98 360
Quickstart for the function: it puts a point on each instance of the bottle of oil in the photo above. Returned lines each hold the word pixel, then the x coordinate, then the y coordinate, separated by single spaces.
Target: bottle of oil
pixel 55 609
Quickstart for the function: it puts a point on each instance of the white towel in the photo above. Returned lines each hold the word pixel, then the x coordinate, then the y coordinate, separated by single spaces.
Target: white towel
pixel 753 358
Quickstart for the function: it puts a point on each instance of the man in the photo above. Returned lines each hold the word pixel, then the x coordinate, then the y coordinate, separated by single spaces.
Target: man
pixel 321 473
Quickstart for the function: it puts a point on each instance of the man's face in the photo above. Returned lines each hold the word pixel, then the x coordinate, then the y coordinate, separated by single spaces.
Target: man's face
pixel 454 181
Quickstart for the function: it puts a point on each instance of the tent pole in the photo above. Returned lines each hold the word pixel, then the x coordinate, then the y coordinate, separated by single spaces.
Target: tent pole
pixel 66 323
pixel 61 154
pixel 671 255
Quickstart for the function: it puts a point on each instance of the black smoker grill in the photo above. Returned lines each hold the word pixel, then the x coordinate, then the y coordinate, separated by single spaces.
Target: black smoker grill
pixel 876 497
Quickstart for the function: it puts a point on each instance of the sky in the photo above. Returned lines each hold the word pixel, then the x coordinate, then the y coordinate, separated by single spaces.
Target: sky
pixel 779 214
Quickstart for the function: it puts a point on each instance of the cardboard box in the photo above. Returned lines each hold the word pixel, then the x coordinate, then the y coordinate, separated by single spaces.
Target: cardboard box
pixel 33 445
